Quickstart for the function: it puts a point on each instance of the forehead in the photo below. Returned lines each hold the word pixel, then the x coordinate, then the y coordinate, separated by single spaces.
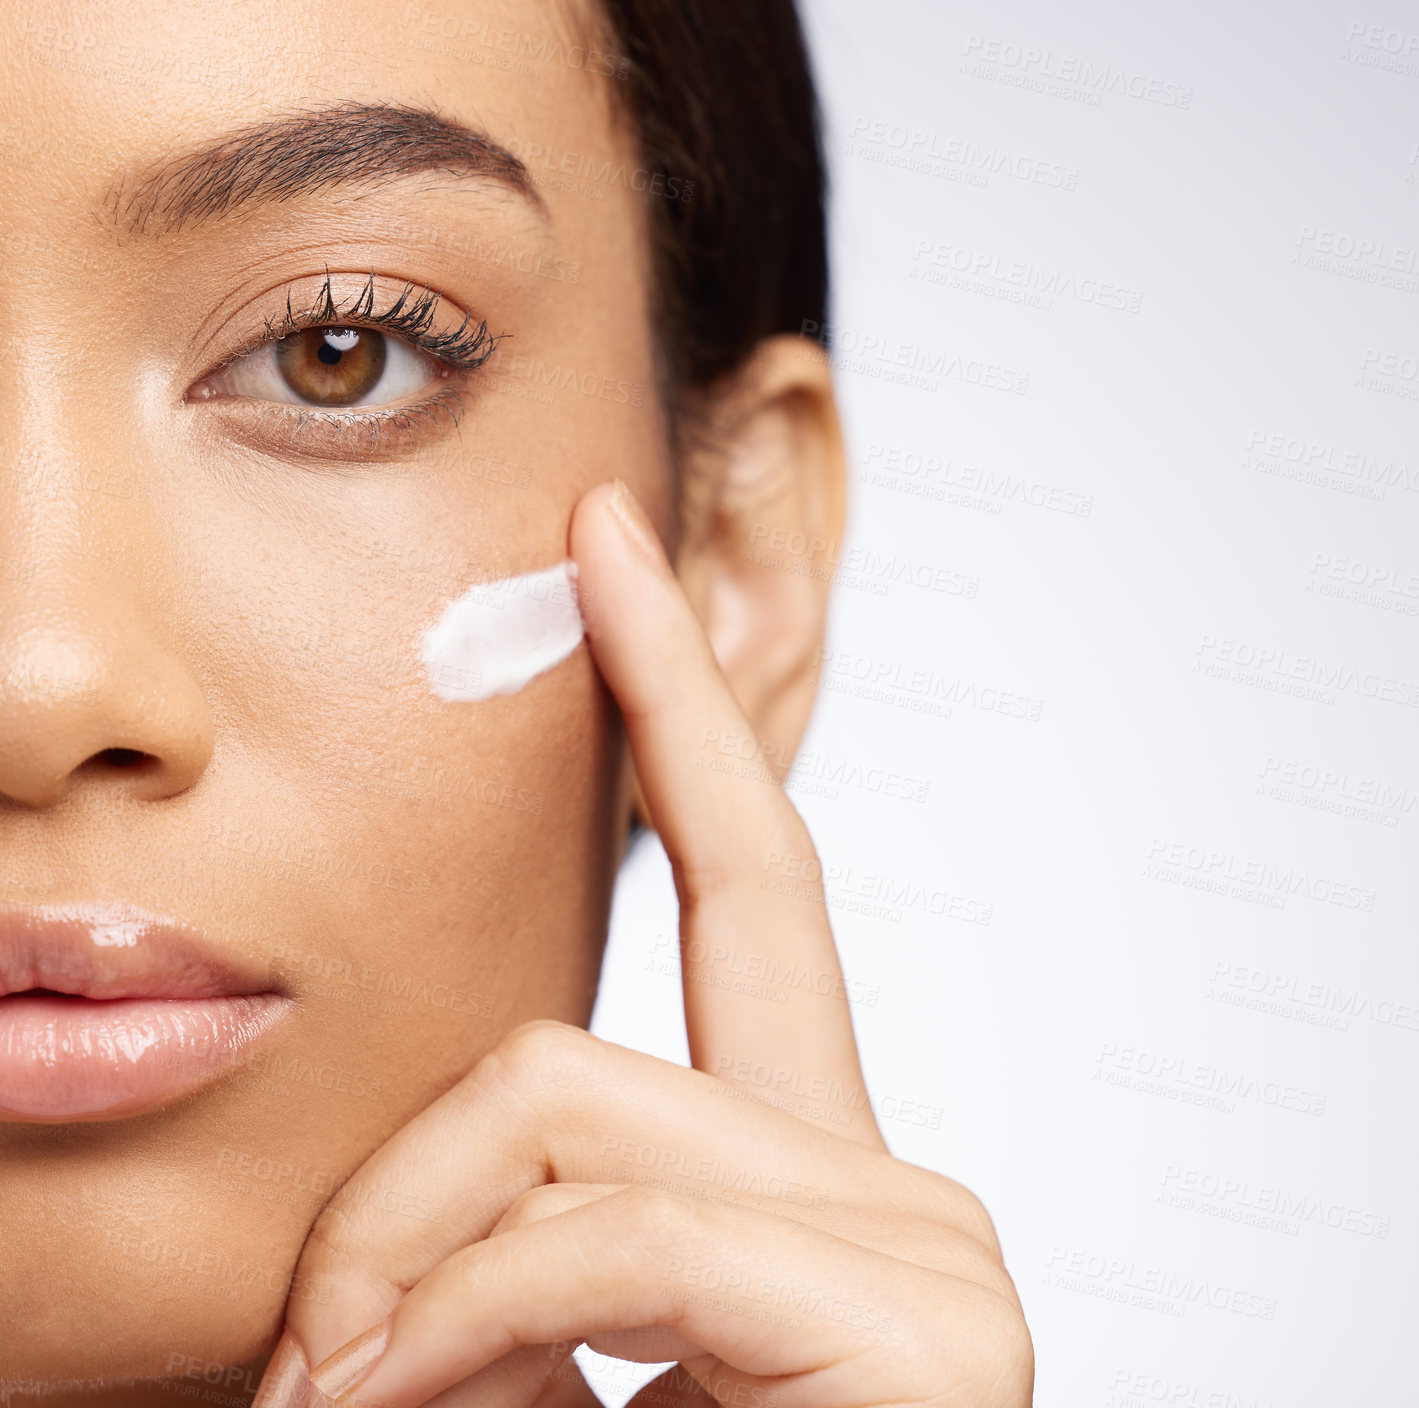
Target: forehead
pixel 97 94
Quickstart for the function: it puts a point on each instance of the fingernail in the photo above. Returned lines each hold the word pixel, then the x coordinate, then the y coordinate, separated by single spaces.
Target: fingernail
pixel 286 1382
pixel 631 516
pixel 353 1364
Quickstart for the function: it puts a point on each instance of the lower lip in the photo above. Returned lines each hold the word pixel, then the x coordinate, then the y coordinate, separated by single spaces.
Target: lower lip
pixel 76 1058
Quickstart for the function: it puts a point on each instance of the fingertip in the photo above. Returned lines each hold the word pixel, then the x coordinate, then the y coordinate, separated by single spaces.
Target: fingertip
pixel 588 515
pixel 609 517
pixel 593 530
pixel 619 559
pixel 636 527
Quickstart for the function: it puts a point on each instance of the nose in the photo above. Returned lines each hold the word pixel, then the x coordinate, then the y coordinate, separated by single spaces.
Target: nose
pixel 93 690
pixel 100 684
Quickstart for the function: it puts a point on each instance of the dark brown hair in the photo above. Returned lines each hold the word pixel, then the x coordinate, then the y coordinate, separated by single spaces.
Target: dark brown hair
pixel 722 95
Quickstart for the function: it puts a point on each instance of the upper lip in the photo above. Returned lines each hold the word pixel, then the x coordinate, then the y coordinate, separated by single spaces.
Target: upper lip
pixel 108 951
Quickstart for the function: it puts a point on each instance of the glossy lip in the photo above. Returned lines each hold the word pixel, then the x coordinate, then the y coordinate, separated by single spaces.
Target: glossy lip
pixel 107 1012
pixel 102 951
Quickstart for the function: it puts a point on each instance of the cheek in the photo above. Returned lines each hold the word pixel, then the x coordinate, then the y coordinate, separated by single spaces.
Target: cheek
pixel 441 870
pixel 463 850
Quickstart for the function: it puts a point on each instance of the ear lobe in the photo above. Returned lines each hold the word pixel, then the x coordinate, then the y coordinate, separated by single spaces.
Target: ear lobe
pixel 762 526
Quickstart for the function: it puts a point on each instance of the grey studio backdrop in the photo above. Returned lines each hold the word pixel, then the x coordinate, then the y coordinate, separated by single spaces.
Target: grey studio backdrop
pixel 1114 774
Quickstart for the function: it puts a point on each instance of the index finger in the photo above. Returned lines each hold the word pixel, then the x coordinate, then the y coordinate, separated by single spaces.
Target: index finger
pixel 728 834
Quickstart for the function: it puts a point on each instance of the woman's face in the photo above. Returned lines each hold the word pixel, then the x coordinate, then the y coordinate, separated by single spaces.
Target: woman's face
pixel 236 588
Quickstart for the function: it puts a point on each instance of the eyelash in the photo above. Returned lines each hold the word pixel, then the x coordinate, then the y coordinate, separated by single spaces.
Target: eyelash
pixel 466 348
pixel 409 318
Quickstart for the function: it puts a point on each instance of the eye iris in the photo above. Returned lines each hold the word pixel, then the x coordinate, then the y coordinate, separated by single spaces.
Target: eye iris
pixel 331 366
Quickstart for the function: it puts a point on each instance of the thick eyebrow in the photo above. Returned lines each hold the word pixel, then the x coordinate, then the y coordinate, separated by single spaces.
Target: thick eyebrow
pixel 306 152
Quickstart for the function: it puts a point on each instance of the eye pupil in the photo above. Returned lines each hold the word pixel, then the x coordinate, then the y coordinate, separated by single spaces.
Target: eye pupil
pixel 331 366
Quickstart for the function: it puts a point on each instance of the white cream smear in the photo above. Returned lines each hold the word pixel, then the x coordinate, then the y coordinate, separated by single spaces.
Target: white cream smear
pixel 499 636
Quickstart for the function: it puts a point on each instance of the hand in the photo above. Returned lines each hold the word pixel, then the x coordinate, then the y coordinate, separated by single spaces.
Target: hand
pixel 596 1194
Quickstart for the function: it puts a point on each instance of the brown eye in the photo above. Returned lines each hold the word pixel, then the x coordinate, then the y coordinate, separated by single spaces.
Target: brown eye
pixel 328 367
pixel 331 366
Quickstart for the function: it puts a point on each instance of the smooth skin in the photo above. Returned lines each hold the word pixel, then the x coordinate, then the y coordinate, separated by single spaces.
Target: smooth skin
pixel 189 581
pixel 589 1186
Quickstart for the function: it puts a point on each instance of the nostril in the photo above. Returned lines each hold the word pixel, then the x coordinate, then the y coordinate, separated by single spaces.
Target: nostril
pixel 121 757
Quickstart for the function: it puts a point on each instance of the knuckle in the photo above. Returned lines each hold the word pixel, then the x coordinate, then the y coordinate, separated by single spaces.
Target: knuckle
pixel 976 1222
pixel 699 881
pixel 537 1039
pixel 1011 1369
pixel 704 874
pixel 542 1052
pixel 984 1344
pixel 949 1250
pixel 537 1204
pixel 330 1242
pixel 665 1224
pixel 332 1255
pixel 979 1265
pixel 953 1205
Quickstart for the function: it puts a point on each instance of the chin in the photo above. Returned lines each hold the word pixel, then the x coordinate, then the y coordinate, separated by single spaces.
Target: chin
pixel 116 1333
pixel 109 1346
pixel 144 1280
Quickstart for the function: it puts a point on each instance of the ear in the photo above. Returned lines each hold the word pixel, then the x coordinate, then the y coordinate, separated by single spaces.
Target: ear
pixel 763 499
